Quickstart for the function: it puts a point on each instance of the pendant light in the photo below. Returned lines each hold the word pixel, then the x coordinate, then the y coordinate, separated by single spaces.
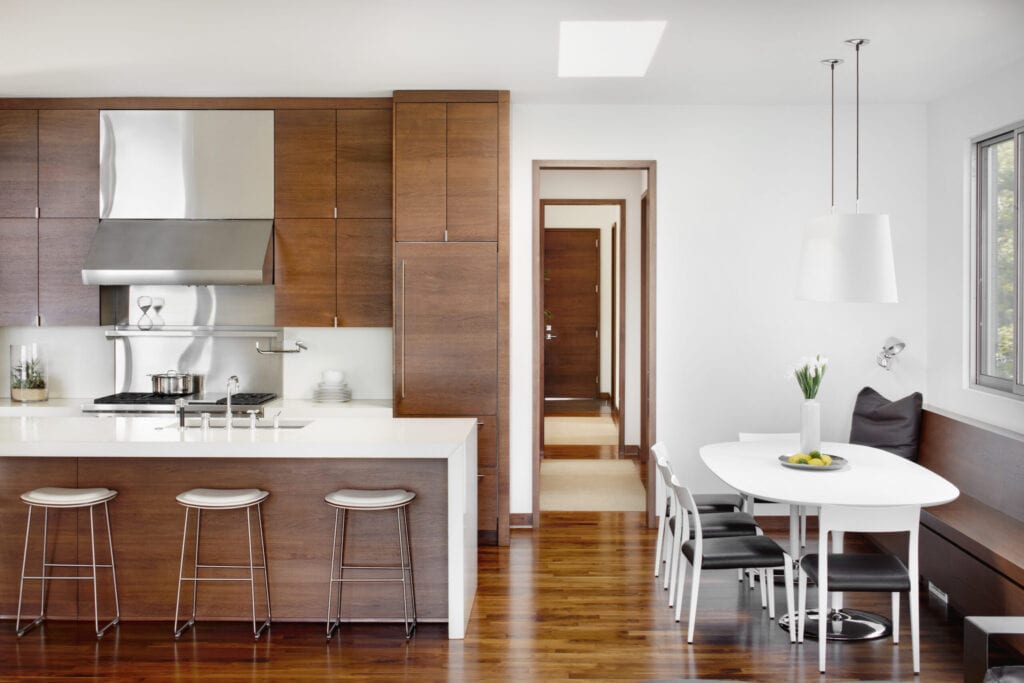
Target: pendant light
pixel 847 257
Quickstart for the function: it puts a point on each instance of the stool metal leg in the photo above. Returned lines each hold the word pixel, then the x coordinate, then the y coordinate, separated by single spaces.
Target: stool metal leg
pixel 95 575
pixel 266 570
pixel 337 550
pixel 405 550
pixel 181 573
pixel 21 585
pixel 256 632
pixel 332 623
pixel 113 570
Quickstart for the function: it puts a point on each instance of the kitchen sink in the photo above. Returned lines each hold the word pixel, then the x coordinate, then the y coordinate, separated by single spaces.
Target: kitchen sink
pixel 241 423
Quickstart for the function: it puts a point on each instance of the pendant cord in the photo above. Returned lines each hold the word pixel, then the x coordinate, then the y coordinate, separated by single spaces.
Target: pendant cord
pixel 857 173
pixel 832 133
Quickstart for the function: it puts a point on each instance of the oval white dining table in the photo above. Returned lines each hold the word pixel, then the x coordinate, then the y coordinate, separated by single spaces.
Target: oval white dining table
pixel 872 477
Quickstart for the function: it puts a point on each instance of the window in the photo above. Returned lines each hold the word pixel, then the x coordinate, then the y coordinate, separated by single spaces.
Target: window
pixel 998 164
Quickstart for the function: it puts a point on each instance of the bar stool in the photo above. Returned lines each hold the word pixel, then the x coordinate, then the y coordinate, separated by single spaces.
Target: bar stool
pixel 223 499
pixel 345 500
pixel 66 498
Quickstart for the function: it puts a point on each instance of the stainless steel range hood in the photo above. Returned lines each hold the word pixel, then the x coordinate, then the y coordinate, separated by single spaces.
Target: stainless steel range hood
pixel 186 198
pixel 180 252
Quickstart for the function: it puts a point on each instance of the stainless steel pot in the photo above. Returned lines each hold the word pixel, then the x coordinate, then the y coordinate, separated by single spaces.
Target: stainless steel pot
pixel 176 383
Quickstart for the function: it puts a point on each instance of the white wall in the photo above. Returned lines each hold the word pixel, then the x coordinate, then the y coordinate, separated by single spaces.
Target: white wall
pixel 363 353
pixel 600 217
pixel 735 186
pixel 79 360
pixel 952 122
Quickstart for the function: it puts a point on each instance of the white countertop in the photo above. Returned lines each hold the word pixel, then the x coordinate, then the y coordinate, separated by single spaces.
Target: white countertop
pixel 70 407
pixel 141 437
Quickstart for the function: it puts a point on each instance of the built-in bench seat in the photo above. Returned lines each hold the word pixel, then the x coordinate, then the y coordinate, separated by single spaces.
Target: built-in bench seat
pixel 973 548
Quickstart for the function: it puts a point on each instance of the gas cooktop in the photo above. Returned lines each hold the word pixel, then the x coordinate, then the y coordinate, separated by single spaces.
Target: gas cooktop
pixel 141 402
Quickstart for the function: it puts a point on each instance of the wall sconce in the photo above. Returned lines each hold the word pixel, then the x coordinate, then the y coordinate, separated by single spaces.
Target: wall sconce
pixel 890 349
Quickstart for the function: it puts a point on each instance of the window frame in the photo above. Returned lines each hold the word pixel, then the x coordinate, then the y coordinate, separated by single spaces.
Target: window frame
pixel 1006 387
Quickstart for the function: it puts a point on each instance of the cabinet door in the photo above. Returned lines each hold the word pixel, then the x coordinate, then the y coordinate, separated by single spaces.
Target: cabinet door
pixel 472 191
pixel 487 479
pixel 364 272
pixel 63 246
pixel 18 271
pixel 69 163
pixel 364 163
pixel 304 163
pixel 304 292
pixel 19 164
pixel 446 329
pixel 420 172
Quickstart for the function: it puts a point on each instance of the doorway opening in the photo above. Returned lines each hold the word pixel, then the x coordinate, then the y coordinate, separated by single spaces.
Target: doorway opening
pixel 593 356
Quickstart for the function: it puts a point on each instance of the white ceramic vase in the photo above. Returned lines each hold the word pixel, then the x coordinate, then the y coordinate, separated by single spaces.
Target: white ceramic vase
pixel 810 426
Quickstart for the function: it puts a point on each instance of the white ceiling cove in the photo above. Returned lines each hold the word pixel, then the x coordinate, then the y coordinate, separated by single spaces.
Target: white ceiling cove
pixel 712 51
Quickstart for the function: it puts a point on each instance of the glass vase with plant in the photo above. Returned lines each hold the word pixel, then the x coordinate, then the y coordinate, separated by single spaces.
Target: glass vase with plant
pixel 809 373
pixel 28 374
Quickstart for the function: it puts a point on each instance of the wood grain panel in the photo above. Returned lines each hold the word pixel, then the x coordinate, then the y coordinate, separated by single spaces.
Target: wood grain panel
pixel 504 168
pixel 304 272
pixel 19 164
pixel 63 299
pixel 304 163
pixel 446 335
pixel 364 163
pixel 69 163
pixel 364 272
pixel 572 273
pixel 448 95
pixel 197 103
pixel 420 172
pixel 147 527
pixel 19 271
pixel 18 475
pixel 472 193
pixel 487 501
pixel 486 441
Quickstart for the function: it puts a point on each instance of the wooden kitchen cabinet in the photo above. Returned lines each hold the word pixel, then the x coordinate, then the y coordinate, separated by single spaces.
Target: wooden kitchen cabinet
pixel 487 479
pixel 69 163
pixel 364 144
pixel 364 272
pixel 19 271
pixel 472 178
pixel 63 246
pixel 304 162
pixel 304 272
pixel 420 160
pixel 446 328
pixel 19 163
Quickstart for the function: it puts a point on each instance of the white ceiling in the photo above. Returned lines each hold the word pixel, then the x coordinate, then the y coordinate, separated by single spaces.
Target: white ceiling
pixel 712 51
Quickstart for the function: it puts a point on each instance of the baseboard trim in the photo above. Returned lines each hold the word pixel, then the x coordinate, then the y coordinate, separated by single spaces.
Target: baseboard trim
pixel 631 451
pixel 521 520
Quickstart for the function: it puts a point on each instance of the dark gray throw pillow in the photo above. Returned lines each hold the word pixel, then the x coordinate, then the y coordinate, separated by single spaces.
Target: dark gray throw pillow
pixel 894 426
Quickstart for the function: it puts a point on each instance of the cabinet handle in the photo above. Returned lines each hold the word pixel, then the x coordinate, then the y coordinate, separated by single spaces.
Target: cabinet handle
pixel 480 423
pixel 403 329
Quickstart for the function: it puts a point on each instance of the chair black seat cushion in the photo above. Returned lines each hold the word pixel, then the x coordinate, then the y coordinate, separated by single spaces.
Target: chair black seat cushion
pixel 1005 674
pixel 894 426
pixel 718 502
pixel 722 525
pixel 737 553
pixel 866 573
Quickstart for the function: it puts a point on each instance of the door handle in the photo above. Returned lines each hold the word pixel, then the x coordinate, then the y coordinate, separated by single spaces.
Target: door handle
pixel 548 336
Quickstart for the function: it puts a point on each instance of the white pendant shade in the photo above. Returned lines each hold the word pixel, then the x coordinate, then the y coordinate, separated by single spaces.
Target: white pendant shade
pixel 848 257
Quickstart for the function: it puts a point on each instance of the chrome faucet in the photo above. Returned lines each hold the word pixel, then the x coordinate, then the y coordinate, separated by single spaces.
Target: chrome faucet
pixel 232 389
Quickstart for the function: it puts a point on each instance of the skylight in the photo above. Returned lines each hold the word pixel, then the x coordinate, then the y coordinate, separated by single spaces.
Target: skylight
pixel 607 49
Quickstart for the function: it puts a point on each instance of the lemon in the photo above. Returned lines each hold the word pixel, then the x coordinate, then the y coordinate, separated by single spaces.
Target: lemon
pixel 816 462
pixel 795 458
pixel 827 459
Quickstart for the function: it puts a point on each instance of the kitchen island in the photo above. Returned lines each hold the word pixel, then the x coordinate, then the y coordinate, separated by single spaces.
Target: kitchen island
pixel 148 460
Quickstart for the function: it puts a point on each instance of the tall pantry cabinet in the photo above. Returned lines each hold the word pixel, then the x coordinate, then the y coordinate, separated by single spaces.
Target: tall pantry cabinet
pixel 451 274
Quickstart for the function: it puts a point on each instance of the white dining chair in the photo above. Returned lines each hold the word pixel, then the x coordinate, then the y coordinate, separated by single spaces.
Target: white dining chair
pixel 852 572
pixel 737 552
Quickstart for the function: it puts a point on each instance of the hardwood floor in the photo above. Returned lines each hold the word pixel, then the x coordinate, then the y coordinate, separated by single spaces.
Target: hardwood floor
pixel 579 407
pixel 574 599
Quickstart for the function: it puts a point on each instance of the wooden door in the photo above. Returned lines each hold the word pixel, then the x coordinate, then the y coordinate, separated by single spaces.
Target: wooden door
pixel 572 274
pixel 364 272
pixel 19 274
pixel 63 299
pixel 304 272
pixel 304 163
pixel 420 160
pixel 69 163
pixel 446 329
pixel 472 177
pixel 19 163
pixel 364 151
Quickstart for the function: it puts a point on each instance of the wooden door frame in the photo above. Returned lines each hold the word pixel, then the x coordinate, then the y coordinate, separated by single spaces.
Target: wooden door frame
pixel 647 333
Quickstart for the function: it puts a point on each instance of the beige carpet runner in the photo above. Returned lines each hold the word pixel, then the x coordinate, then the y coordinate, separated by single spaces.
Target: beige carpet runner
pixel 591 486
pixel 580 431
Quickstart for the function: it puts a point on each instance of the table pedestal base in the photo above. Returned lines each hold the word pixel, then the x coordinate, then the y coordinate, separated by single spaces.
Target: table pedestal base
pixel 845 624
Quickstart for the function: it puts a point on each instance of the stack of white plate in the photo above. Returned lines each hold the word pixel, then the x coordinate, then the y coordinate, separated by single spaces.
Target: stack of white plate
pixel 332 393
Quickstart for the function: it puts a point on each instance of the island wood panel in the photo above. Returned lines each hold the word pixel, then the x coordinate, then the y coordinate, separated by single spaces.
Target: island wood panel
pixel 18 475
pixel 304 163
pixel 19 272
pixel 304 272
pixel 19 164
pixel 63 246
pixel 69 163
pixel 487 494
pixel 364 157
pixel 446 329
pixel 197 103
pixel 364 272
pixel 472 173
pixel 148 524
pixel 420 159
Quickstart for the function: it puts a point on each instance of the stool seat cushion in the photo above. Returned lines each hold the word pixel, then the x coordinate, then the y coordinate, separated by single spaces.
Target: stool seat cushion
pixel 53 496
pixel 860 572
pixel 360 499
pixel 221 498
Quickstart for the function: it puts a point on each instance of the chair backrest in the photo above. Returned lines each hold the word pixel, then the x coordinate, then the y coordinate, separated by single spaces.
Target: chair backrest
pixel 769 436
pixel 686 504
pixel 661 460
pixel 833 518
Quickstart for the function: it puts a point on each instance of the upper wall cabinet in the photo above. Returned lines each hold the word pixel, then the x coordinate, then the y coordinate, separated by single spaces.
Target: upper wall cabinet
pixel 69 163
pixel 19 163
pixel 364 163
pixel 446 171
pixel 304 163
